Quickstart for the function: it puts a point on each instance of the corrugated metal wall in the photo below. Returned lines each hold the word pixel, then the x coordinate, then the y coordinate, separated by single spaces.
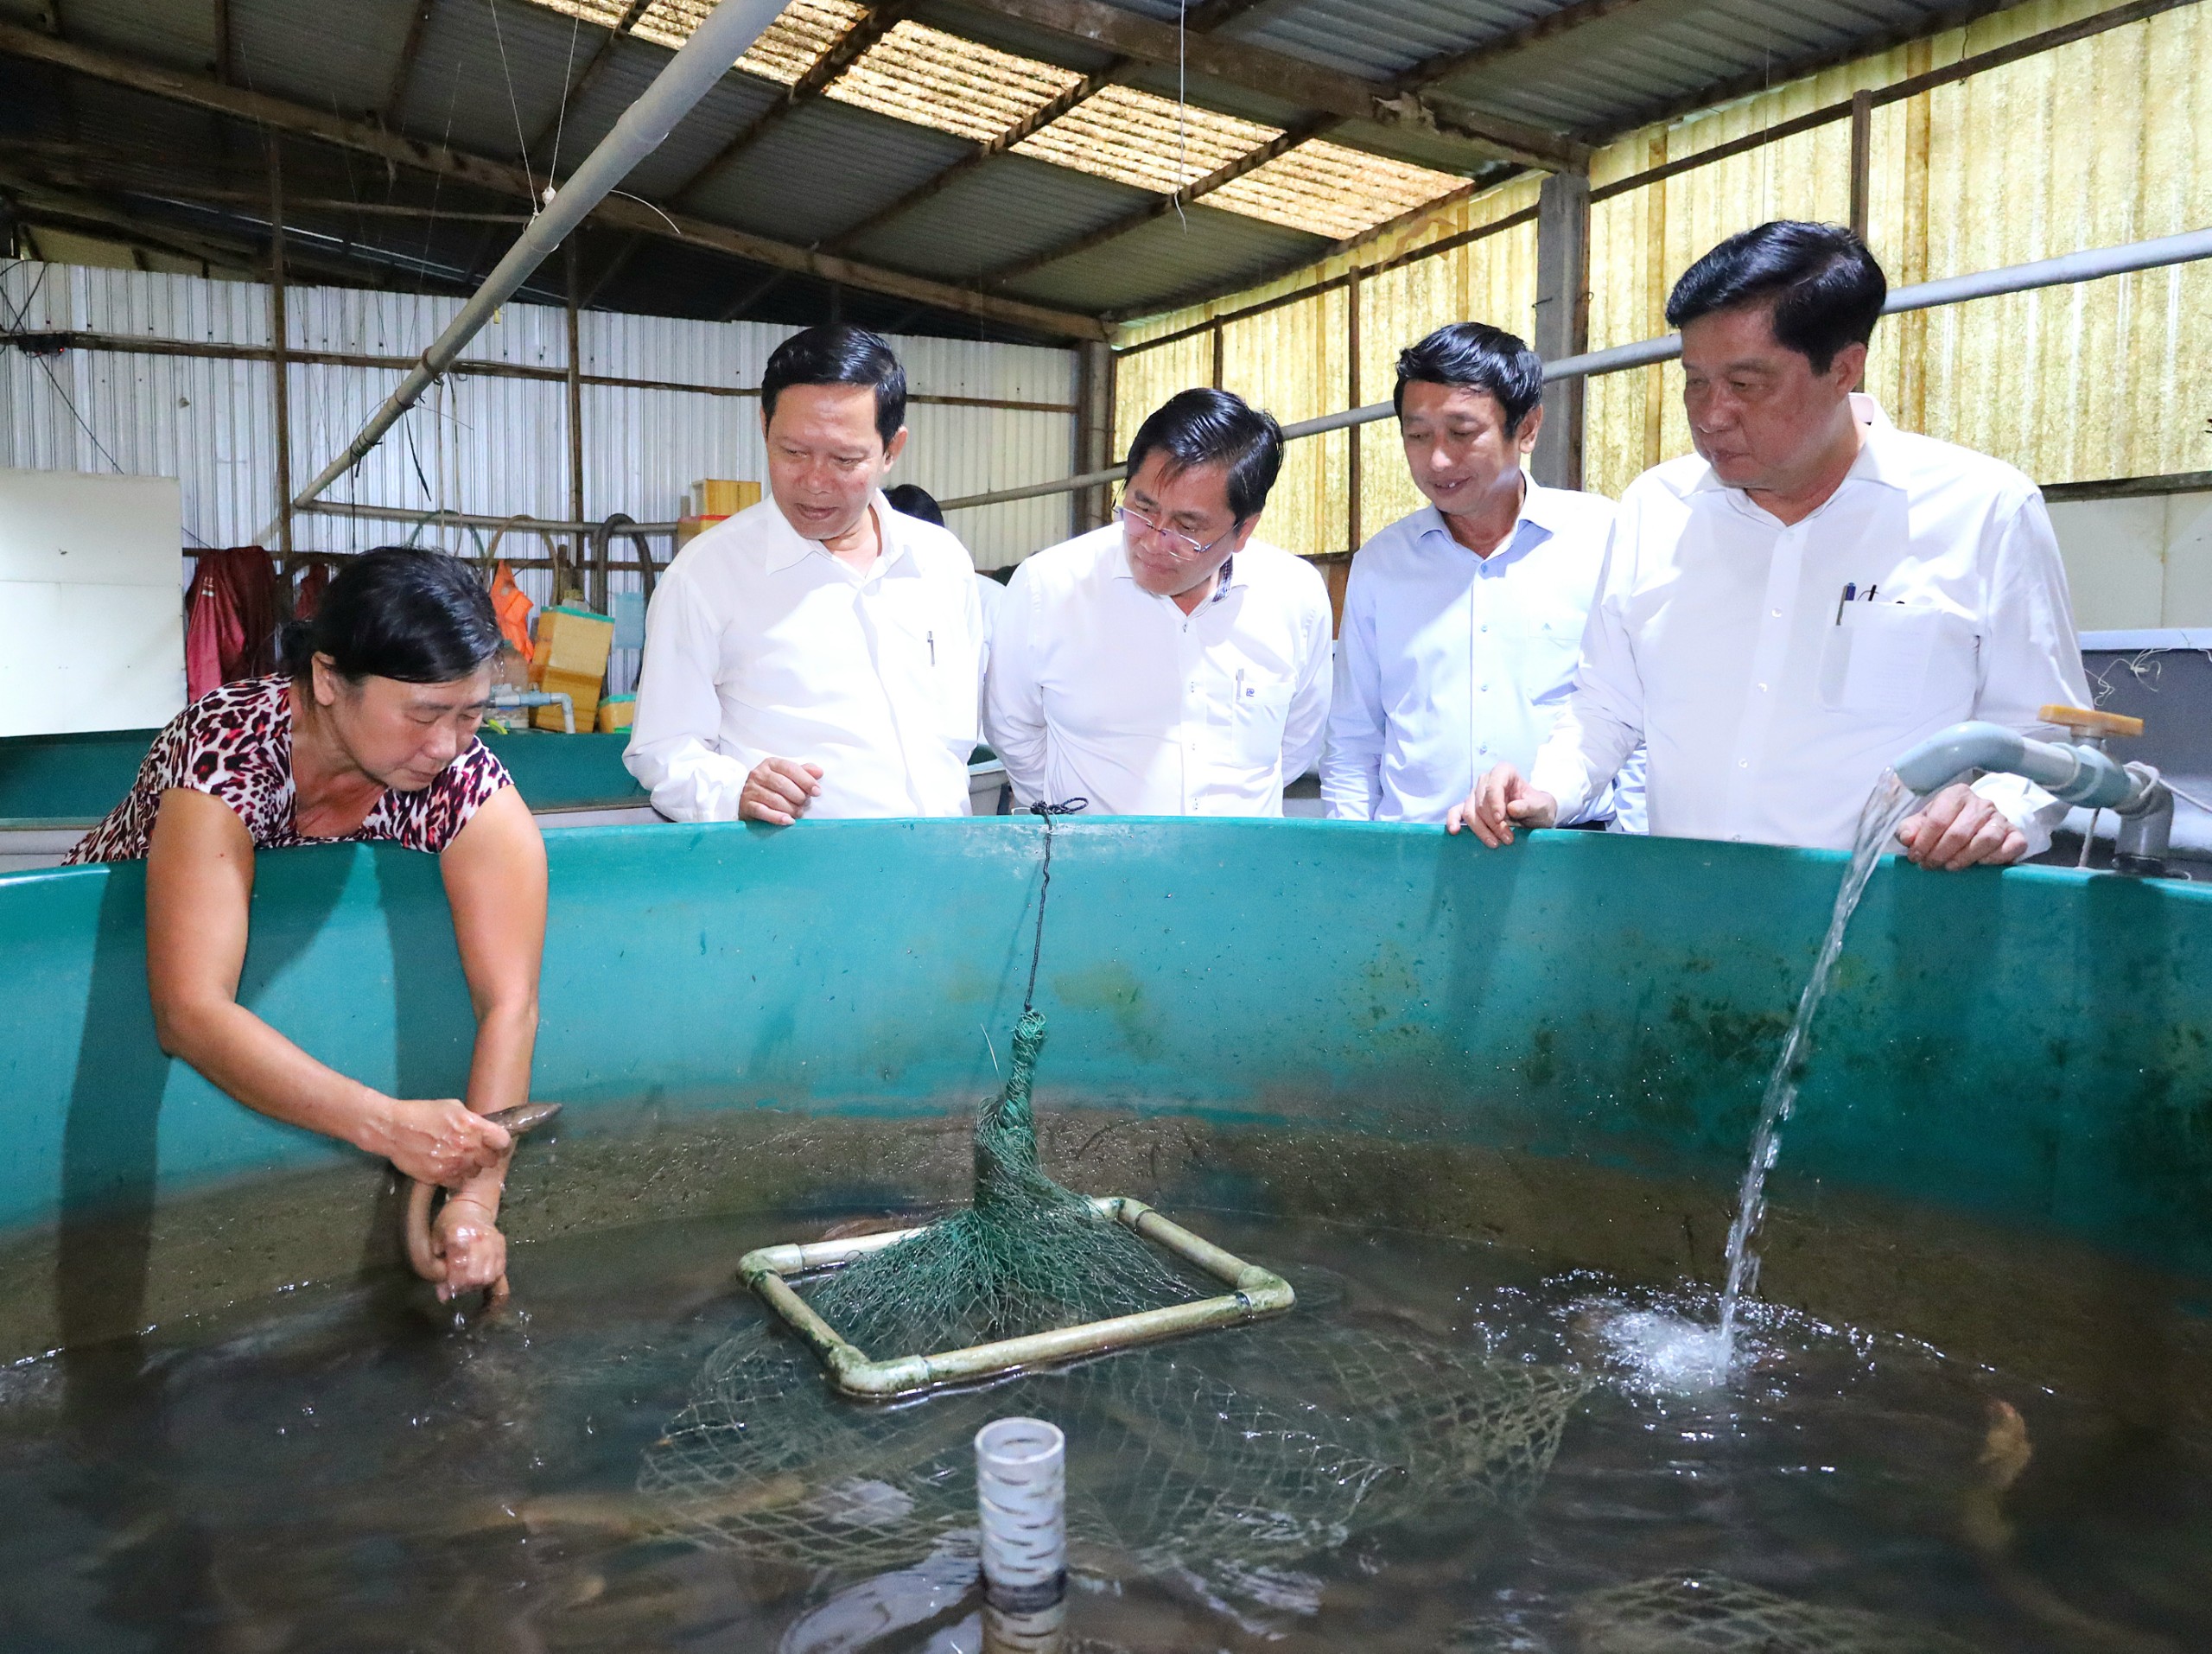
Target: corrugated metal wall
pixel 478 444
pixel 2105 141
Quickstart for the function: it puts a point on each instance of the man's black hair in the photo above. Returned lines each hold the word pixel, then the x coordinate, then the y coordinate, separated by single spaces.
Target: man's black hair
pixel 1826 289
pixel 909 499
pixel 1481 358
pixel 1206 426
pixel 399 612
pixel 837 354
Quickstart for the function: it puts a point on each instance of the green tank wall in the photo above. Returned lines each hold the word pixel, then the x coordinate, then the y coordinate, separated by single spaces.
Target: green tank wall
pixel 81 778
pixel 2030 1047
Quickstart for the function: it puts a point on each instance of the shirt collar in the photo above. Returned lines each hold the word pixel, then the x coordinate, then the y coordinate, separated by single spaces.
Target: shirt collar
pixel 787 547
pixel 1534 523
pixel 1879 460
pixel 1229 575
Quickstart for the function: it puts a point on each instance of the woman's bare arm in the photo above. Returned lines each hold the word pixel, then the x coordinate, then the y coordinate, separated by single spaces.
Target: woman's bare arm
pixel 494 873
pixel 198 882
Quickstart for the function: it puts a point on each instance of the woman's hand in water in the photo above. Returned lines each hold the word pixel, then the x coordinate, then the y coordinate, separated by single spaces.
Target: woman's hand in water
pixel 439 1142
pixel 469 1252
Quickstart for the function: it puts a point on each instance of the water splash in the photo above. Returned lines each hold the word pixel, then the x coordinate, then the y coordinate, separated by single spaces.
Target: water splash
pixel 1887 805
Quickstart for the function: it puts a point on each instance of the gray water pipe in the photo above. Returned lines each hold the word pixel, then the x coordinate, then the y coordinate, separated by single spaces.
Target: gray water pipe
pixel 2075 774
pixel 2092 266
pixel 725 36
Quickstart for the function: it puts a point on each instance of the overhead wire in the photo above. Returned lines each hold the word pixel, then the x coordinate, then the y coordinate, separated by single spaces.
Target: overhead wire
pixel 16 325
pixel 522 143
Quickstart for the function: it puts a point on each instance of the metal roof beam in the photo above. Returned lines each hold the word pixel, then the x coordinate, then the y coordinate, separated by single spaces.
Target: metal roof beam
pixel 1082 92
pixel 843 52
pixel 1162 207
pixel 617 212
pixel 403 69
pixel 1276 75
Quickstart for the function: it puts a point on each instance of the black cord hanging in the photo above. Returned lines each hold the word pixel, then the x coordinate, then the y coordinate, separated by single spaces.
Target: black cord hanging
pixel 1046 812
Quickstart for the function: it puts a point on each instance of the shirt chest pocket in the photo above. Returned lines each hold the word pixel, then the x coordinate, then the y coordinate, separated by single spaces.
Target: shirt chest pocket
pixel 1257 705
pixel 1896 659
pixel 1551 644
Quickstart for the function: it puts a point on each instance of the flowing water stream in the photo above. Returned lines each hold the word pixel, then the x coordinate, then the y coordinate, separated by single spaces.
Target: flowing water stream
pixel 1693 1357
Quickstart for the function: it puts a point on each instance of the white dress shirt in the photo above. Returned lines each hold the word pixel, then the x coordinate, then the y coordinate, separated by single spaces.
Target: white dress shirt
pixel 761 644
pixel 1769 706
pixel 1453 663
pixel 1100 689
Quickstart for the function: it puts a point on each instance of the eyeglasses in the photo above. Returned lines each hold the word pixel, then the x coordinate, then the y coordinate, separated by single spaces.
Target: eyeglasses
pixel 1174 543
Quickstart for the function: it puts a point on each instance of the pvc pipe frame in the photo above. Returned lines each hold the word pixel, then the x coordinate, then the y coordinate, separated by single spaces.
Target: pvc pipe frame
pixel 1255 1292
pixel 726 35
pixel 1952 289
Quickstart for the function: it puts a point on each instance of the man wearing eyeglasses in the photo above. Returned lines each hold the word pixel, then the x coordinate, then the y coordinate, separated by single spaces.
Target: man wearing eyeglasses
pixel 1168 663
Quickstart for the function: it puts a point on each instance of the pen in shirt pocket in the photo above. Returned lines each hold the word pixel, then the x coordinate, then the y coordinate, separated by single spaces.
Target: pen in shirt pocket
pixel 931 639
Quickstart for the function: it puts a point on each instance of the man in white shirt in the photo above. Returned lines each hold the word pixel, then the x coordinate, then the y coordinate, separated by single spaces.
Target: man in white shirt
pixel 1462 622
pixel 1812 594
pixel 818 654
pixel 1168 663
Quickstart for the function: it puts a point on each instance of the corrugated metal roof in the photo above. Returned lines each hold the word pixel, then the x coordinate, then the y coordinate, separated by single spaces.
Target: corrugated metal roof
pixel 490 78
pixel 1202 250
pixel 825 166
pixel 1003 211
pixel 933 79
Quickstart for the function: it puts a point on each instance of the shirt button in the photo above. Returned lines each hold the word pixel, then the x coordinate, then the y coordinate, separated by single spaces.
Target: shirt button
pixel 1762 688
pixel 1482 628
pixel 1743 763
pixel 1735 838
pixel 1776 612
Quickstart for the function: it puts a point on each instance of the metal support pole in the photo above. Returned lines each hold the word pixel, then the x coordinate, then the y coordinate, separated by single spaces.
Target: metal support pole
pixel 1217 354
pixel 280 366
pixel 1094 436
pixel 599 597
pixel 1351 400
pixel 1562 320
pixel 1862 159
pixel 725 36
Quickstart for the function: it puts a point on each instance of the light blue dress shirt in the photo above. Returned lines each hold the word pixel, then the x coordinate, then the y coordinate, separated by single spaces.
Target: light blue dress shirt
pixel 1451 663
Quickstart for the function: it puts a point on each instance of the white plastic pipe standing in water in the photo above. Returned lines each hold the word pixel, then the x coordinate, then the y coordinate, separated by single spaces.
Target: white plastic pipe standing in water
pixel 1021 1495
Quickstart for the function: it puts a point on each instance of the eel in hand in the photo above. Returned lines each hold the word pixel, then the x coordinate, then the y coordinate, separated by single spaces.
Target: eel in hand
pixel 523 1117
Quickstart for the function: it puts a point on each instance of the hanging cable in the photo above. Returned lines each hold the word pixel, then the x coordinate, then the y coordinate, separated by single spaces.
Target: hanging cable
pixel 522 143
pixel 1046 811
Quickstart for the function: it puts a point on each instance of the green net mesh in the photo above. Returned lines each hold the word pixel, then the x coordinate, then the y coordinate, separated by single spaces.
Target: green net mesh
pixel 1026 1256
pixel 1249 1447
pixel 1267 1442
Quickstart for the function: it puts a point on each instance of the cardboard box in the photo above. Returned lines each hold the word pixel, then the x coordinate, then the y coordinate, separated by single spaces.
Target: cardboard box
pixel 571 660
pixel 616 713
pixel 719 497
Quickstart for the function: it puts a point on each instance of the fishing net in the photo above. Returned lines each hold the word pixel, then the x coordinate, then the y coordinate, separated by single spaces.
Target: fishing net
pixel 1711 1614
pixel 1268 1443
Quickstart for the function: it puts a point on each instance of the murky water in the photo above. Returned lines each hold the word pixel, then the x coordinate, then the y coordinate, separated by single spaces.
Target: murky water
pixel 356 1475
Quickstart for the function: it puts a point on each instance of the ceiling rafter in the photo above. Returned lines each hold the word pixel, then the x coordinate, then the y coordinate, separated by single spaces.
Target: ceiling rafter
pixel 617 210
pixel 1277 75
pixel 846 50
pixel 403 69
pixel 1252 161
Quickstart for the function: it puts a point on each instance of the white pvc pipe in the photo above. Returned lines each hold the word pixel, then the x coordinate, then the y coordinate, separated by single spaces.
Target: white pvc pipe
pixel 726 35
pixel 2089 266
pixel 1021 1495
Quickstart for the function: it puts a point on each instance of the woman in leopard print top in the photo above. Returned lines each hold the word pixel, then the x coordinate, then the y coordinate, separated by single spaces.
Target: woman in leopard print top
pixel 369 735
